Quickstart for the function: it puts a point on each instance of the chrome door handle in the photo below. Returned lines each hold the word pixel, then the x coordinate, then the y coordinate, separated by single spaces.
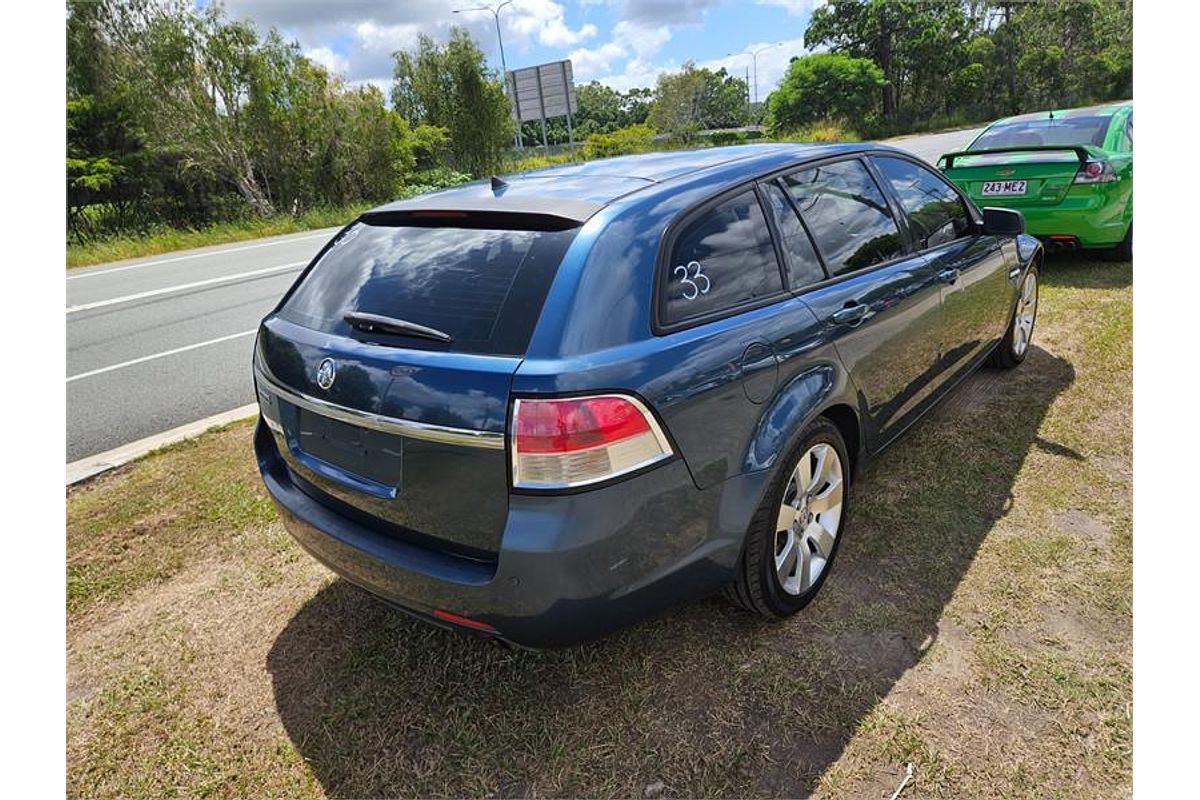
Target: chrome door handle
pixel 851 314
pixel 948 276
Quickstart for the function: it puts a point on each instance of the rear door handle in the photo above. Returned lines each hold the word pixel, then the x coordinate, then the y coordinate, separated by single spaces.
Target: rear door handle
pixel 851 314
pixel 948 276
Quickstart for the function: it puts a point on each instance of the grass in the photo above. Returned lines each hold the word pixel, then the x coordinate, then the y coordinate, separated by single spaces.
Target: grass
pixel 977 625
pixel 166 240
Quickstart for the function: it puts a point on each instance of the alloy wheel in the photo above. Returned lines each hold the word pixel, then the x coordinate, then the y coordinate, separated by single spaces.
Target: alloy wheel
pixel 1026 312
pixel 808 519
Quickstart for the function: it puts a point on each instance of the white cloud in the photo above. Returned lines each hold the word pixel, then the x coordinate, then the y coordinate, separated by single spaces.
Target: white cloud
pixel 587 63
pixel 644 40
pixel 772 64
pixel 543 20
pixel 336 64
pixel 356 38
pixel 638 74
pixel 636 41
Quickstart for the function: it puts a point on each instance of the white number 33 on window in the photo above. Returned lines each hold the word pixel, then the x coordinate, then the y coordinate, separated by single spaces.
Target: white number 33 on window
pixel 695 282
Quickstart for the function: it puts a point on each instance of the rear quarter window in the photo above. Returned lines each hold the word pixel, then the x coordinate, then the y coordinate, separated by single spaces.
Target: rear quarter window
pixel 483 286
pixel 799 254
pixel 720 260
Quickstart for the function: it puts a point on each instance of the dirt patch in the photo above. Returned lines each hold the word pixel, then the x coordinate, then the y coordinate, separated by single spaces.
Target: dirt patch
pixel 1082 527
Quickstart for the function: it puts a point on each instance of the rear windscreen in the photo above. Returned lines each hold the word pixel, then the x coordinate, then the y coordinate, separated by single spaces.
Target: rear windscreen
pixel 482 286
pixel 1043 132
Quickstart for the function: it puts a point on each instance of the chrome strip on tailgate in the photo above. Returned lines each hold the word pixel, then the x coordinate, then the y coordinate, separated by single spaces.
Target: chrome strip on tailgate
pixel 394 425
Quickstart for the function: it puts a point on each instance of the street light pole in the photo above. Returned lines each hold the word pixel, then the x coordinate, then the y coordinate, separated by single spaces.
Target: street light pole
pixel 503 64
pixel 754 58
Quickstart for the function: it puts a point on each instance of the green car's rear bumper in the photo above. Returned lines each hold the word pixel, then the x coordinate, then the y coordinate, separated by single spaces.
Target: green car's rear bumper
pixel 1090 213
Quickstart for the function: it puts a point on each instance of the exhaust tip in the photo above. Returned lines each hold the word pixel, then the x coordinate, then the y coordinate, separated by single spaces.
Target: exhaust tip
pixel 1062 242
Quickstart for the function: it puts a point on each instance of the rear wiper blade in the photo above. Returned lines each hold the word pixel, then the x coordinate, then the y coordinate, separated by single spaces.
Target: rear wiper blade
pixel 376 322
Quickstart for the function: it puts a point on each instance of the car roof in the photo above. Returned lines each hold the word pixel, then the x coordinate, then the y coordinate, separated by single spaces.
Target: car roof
pixel 1105 110
pixel 578 190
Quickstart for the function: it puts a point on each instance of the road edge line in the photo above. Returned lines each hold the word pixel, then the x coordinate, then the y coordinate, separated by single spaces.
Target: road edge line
pixel 92 466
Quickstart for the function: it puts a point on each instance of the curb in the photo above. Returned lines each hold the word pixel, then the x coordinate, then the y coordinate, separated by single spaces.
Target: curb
pixel 92 466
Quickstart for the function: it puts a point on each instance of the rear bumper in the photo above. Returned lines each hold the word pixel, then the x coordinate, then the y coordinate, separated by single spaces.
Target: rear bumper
pixel 571 567
pixel 1095 218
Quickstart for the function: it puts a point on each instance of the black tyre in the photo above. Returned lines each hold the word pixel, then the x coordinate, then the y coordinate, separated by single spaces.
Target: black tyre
pixel 1015 345
pixel 795 533
pixel 1123 251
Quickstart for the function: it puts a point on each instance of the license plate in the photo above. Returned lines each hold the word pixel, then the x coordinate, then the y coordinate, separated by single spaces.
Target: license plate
pixel 1003 188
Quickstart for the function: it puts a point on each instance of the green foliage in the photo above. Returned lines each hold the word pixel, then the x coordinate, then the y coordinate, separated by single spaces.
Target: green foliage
pixel 449 86
pixel 823 86
pixel 178 116
pixel 634 139
pixel 539 161
pixel 979 60
pixel 433 179
pixel 696 99
pixel 822 131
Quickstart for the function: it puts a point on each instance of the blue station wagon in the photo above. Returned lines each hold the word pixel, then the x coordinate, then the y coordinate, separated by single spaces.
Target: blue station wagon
pixel 542 408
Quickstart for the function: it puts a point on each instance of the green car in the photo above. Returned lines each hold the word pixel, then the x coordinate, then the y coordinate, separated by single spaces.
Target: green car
pixel 1069 172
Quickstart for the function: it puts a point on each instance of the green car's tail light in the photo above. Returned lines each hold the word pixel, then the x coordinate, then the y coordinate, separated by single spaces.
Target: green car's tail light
pixel 564 443
pixel 1095 171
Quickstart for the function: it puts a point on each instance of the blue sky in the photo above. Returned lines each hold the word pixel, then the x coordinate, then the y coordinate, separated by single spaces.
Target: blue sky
pixel 622 43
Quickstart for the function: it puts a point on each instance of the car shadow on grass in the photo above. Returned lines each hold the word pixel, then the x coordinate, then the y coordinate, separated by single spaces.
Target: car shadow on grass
pixel 706 700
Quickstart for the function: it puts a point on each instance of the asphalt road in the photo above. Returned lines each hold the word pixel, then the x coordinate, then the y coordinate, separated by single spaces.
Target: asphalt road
pixel 159 342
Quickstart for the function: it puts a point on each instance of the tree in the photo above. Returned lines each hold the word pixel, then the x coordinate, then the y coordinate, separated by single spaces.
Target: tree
pixel 974 59
pixel 824 86
pixel 599 109
pixel 449 86
pixel 179 115
pixel 867 29
pixel 695 99
pixel 917 45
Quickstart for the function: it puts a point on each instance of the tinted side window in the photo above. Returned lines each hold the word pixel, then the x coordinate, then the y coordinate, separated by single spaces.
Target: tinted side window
pixel 847 214
pixel 936 213
pixel 720 260
pixel 803 265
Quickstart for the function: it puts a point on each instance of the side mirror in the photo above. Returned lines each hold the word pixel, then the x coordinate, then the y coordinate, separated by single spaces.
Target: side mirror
pixel 1003 221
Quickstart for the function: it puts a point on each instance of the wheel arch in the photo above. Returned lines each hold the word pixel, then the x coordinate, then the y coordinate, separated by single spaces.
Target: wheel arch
pixel 845 419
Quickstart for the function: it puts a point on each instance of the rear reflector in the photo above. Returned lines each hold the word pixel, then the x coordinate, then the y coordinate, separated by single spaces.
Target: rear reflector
pixel 563 443
pixel 466 622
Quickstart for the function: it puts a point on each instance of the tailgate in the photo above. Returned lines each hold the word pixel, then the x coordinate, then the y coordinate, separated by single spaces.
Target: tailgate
pixel 401 424
pixel 412 439
pixel 1020 177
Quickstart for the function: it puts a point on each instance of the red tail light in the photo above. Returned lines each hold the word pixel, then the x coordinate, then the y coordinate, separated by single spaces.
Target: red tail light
pixel 567 442
pixel 1093 171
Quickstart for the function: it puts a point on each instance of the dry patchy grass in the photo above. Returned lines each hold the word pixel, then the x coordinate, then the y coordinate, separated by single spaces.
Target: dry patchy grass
pixel 977 625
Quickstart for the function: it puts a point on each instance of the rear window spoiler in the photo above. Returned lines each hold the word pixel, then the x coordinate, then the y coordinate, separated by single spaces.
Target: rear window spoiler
pixel 947 160
pixel 512 212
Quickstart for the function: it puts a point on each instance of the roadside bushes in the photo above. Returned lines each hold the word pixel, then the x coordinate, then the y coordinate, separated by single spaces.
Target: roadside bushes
pixel 820 87
pixel 823 131
pixel 623 141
